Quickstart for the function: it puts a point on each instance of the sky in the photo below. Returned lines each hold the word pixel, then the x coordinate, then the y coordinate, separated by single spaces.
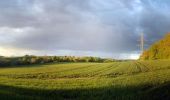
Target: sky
pixel 103 28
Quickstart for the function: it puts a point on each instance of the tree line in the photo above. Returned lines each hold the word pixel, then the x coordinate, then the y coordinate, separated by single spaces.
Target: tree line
pixel 30 59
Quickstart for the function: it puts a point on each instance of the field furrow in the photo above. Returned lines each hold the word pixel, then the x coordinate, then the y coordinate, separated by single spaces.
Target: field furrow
pixel 74 81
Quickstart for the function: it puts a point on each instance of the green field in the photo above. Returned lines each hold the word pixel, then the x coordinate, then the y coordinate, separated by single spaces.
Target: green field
pixel 131 80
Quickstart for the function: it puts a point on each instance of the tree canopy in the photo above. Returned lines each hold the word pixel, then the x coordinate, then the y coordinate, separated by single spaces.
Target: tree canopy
pixel 159 50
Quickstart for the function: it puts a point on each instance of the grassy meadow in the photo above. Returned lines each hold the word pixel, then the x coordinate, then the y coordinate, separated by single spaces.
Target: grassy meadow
pixel 128 80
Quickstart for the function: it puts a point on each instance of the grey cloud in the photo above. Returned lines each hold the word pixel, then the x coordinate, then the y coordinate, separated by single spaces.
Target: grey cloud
pixel 154 19
pixel 105 26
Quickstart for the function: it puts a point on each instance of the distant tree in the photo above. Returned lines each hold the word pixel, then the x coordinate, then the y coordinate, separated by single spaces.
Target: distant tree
pixel 31 59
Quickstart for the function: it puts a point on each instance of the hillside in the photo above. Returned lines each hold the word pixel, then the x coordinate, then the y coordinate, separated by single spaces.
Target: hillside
pixel 159 50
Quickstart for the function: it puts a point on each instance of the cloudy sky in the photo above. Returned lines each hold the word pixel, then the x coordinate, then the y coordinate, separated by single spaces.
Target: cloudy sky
pixel 105 28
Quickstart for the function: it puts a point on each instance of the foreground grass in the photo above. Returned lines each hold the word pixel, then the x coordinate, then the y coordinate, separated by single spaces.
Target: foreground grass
pixel 94 81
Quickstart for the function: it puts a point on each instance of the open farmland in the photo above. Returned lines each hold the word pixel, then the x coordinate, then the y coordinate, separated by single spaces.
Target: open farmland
pixel 131 80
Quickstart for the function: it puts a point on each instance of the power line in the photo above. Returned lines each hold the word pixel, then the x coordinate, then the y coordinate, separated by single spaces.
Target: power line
pixel 142 43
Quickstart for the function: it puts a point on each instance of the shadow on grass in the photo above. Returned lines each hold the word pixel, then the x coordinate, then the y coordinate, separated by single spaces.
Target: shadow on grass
pixel 145 92
pixel 44 64
pixel 34 65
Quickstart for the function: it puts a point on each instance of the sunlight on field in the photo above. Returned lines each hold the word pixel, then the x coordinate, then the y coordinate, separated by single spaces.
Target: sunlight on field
pixel 121 79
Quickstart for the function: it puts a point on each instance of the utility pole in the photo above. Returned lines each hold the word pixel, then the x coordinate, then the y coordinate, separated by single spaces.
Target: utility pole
pixel 142 43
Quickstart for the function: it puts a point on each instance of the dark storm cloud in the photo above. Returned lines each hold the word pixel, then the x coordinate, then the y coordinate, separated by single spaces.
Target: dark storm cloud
pixel 154 19
pixel 112 26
